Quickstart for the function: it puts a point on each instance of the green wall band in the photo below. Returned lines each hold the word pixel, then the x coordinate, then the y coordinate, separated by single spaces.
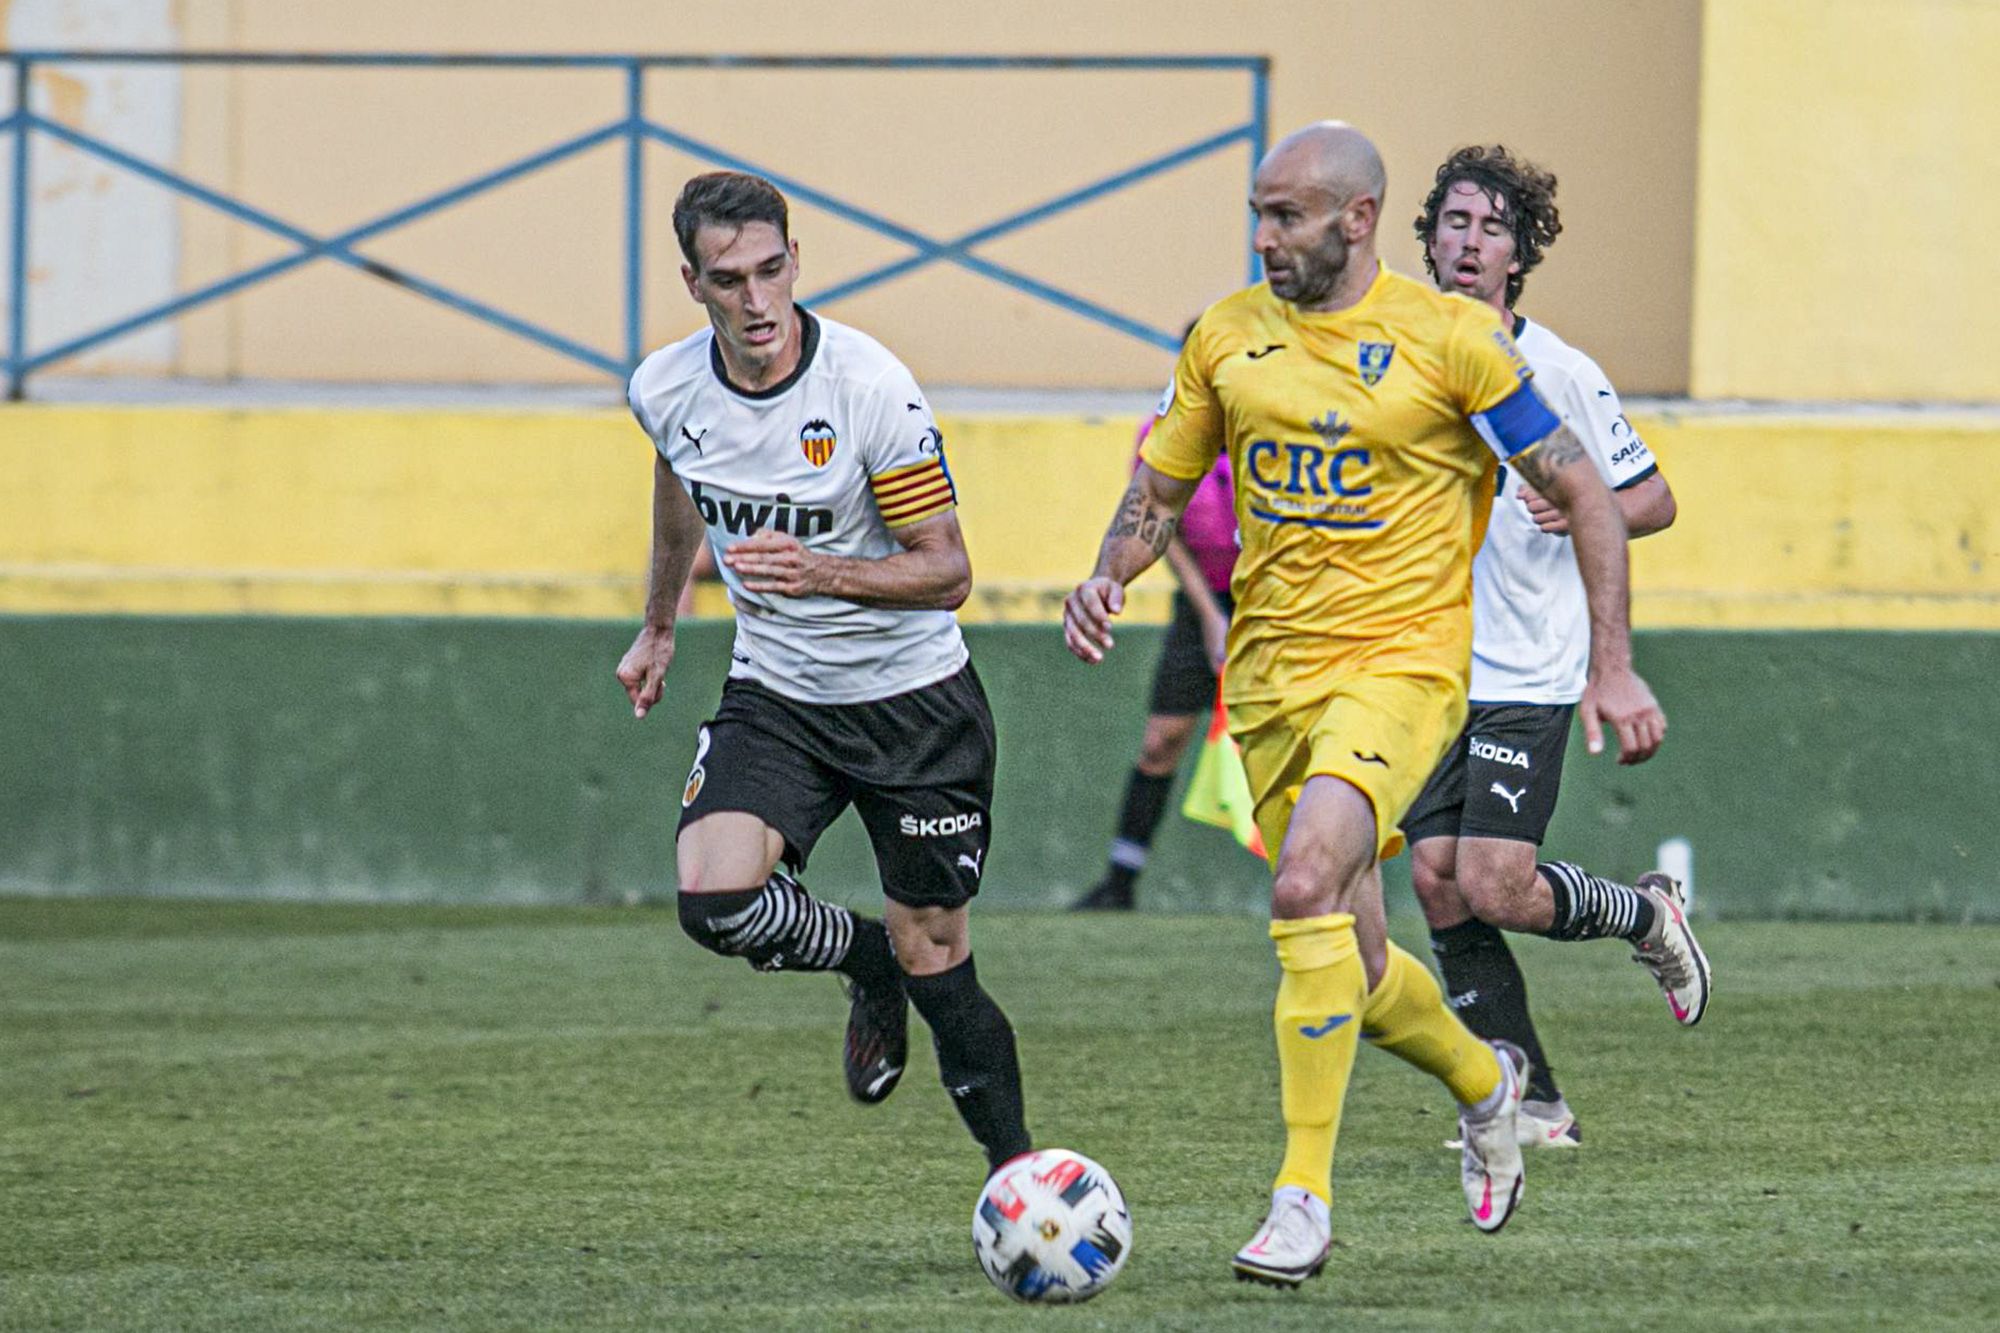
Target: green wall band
pixel 1840 774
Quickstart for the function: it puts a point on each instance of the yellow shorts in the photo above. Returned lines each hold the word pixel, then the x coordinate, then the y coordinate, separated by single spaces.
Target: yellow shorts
pixel 1382 732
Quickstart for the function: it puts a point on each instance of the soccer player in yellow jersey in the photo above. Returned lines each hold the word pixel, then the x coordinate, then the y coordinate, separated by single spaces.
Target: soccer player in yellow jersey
pixel 1362 413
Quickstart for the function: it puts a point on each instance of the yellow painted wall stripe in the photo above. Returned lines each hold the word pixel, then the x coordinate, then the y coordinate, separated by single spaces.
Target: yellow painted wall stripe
pixel 1786 522
pixel 1829 131
pixel 1817 522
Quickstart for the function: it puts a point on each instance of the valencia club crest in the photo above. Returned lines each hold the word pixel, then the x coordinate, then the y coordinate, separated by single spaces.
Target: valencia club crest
pixel 817 441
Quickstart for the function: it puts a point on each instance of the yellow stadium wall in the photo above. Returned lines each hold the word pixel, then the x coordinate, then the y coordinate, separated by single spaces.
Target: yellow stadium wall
pixel 1800 522
pixel 1763 199
pixel 1845 186
pixel 1604 95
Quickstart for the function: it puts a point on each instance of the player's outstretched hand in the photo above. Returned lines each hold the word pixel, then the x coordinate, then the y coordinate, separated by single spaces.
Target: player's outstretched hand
pixel 777 562
pixel 1087 616
pixel 1544 512
pixel 1621 700
pixel 643 669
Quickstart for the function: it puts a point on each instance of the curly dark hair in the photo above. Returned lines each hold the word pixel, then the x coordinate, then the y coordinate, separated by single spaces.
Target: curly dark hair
pixel 1523 193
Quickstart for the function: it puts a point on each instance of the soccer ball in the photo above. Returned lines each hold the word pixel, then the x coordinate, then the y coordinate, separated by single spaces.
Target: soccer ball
pixel 1052 1227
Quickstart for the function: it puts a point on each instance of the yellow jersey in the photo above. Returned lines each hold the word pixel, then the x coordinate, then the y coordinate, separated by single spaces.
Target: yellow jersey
pixel 1362 483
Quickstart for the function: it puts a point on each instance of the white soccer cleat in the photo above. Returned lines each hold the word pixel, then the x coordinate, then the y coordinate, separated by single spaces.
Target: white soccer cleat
pixel 1291 1246
pixel 1540 1125
pixel 1670 952
pixel 1490 1162
pixel 1547 1125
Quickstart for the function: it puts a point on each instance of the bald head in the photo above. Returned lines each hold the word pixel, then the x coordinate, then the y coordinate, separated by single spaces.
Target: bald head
pixel 1332 155
pixel 1317 198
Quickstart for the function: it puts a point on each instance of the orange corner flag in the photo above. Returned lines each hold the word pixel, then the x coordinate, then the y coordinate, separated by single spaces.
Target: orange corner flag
pixel 1219 792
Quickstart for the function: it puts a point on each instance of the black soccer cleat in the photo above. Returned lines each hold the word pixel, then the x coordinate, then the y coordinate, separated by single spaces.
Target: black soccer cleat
pixel 1107 896
pixel 878 1039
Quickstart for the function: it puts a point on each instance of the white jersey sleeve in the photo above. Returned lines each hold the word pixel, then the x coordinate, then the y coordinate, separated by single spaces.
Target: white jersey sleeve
pixel 1591 409
pixel 1531 624
pixel 903 453
pixel 638 411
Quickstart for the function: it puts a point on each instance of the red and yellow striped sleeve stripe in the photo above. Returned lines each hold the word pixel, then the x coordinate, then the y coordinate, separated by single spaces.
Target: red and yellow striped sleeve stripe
pixel 912 494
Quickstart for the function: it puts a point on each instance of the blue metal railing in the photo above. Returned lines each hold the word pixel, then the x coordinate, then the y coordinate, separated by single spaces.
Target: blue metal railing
pixel 635 129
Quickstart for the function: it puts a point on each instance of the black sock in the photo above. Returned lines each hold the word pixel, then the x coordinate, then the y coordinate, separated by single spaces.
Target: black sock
pixel 1138 820
pixel 976 1059
pixel 870 960
pixel 1592 908
pixel 1484 987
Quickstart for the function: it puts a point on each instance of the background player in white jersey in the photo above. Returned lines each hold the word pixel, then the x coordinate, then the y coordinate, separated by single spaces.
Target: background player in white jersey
pixel 1475 830
pixel 807 456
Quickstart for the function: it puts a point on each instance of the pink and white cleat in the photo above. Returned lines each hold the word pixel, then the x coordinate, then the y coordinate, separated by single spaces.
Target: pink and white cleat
pixel 1547 1125
pixel 1490 1161
pixel 1670 952
pixel 1291 1246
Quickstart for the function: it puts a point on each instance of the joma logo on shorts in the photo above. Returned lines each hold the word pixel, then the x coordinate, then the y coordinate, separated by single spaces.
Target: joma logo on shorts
pixel 942 827
pixel 741 517
pixel 1499 754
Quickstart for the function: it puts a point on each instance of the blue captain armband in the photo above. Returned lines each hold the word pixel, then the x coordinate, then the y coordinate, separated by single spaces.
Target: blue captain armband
pixel 1515 422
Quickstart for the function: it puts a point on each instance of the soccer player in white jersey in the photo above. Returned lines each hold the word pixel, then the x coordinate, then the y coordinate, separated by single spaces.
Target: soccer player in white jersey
pixel 1475 831
pixel 805 454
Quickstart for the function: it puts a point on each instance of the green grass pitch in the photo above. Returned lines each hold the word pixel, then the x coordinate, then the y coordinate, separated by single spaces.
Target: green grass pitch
pixel 263 1117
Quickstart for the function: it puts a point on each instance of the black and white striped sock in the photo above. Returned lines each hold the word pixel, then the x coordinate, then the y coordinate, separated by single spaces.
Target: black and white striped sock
pixel 1589 907
pixel 785 929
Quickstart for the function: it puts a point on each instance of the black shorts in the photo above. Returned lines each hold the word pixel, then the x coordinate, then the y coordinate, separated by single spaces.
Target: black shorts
pixel 1184 680
pixel 1500 777
pixel 917 766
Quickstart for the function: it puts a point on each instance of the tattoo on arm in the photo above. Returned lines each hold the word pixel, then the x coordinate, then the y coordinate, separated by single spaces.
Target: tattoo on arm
pixel 1139 517
pixel 1540 465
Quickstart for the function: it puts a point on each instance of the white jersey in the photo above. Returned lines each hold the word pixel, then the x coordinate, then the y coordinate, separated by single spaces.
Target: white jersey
pixel 840 453
pixel 1531 625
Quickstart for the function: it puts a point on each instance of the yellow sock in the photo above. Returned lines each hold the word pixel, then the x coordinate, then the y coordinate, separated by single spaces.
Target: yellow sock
pixel 1407 1017
pixel 1319 1002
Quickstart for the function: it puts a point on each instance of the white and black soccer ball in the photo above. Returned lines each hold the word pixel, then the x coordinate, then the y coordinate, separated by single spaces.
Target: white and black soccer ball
pixel 1052 1227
